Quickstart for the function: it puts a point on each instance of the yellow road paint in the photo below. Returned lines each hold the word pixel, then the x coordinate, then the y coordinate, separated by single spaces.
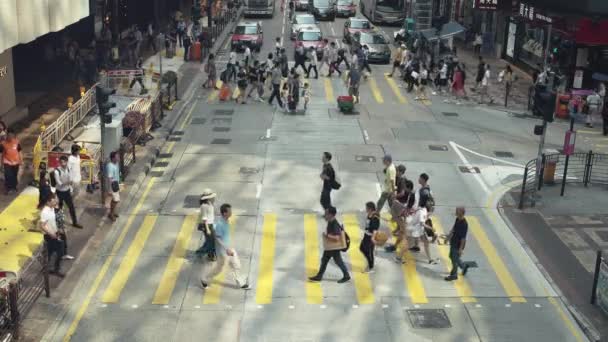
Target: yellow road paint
pixel 363 284
pixel 213 293
pixel 395 88
pixel 329 91
pixel 426 102
pixel 504 276
pixel 112 293
pixel 263 293
pixel 414 285
pixel 584 131
pixel 462 286
pixel 19 239
pixel 213 96
pixel 575 332
pixel 176 260
pixel 376 91
pixel 314 294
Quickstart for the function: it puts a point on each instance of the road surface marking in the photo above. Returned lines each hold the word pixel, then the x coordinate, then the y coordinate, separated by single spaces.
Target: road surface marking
pixel 176 260
pixel 503 274
pixel 462 286
pixel 268 133
pixel 258 190
pixel 329 91
pixel 567 320
pixel 583 131
pixel 182 126
pixel 113 291
pixel 365 135
pixel 363 284
pixel 213 96
pixel 314 293
pixel 212 293
pixel 489 157
pixel 477 176
pixel 375 90
pixel 264 285
pixel 391 82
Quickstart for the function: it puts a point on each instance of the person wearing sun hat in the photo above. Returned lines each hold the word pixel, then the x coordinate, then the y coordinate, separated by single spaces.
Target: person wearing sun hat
pixel 205 224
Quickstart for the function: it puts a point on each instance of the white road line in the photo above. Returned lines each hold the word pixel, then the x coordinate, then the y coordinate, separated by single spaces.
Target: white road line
pixel 365 135
pixel 466 163
pixel 378 189
pixel 258 190
pixel 332 30
pixel 268 133
pixel 488 157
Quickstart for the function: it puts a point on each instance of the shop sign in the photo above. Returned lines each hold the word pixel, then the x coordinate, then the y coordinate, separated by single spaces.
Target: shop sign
pixel 532 13
pixel 491 5
pixel 3 71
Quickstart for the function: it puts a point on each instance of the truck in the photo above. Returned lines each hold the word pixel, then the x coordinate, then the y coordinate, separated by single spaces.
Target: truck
pixel 264 8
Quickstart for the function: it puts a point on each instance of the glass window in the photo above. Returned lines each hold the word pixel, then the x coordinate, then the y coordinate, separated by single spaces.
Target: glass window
pixel 345 2
pixel 321 3
pixel 305 20
pixel 391 5
pixel 360 24
pixel 309 36
pixel 246 30
pixel 372 39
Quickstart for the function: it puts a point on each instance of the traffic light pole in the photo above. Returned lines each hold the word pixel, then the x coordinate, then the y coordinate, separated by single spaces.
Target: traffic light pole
pixel 102 124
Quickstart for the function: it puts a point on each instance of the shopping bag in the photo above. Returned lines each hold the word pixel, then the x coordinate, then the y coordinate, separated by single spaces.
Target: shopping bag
pixel 224 94
pixel 236 93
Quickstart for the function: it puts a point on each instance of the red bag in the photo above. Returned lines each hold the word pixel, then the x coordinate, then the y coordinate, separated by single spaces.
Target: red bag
pixel 224 93
pixel 345 99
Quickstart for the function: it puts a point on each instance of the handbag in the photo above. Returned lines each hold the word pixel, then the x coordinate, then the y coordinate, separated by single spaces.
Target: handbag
pixel 115 186
pixel 346 240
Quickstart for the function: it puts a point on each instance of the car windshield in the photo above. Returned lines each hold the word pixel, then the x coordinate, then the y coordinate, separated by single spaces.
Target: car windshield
pixel 303 20
pixel 246 30
pixel 309 36
pixel 372 39
pixel 360 24
pixel 345 2
pixel 321 3
pixel 391 5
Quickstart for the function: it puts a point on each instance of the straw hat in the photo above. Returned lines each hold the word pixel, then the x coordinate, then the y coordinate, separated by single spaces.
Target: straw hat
pixel 208 194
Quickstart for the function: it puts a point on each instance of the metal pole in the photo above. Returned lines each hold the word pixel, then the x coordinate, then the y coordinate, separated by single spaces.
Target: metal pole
pixel 102 124
pixel 523 189
pixel 539 155
pixel 566 164
pixel 596 276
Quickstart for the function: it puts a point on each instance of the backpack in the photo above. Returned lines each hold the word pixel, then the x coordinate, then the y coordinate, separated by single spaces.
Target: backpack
pixel 52 179
pixel 430 201
pixel 346 238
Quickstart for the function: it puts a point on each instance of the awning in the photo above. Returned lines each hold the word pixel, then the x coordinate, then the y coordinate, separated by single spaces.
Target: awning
pixel 447 31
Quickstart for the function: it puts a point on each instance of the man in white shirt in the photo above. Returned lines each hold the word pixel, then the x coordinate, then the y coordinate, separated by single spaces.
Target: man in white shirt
pixel 48 225
pixel 593 101
pixel 231 67
pixel 389 188
pixel 485 85
pixel 247 55
pixel 312 57
pixel 63 187
pixel 74 168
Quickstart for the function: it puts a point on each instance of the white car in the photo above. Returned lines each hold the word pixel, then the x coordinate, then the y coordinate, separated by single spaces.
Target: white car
pixel 301 20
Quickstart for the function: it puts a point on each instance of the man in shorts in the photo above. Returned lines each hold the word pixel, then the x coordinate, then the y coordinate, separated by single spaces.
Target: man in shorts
pixel 112 186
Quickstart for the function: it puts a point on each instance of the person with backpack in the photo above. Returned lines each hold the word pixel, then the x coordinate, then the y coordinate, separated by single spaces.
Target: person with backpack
pixel 369 236
pixel 333 234
pixel 328 175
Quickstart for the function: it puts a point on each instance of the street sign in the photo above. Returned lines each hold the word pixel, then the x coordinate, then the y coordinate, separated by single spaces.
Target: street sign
pixel 491 5
pixel 569 142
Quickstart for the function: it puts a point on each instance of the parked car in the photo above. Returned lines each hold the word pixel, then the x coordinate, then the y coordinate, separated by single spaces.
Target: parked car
pixel 301 20
pixel 247 33
pixel 323 9
pixel 301 5
pixel 310 36
pixel 346 8
pixel 379 50
pixel 353 25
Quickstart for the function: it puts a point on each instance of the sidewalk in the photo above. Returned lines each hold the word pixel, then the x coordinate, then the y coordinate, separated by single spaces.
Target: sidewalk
pixel 564 234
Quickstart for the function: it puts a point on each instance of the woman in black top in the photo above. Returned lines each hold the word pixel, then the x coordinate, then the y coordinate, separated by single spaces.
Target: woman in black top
pixel 369 237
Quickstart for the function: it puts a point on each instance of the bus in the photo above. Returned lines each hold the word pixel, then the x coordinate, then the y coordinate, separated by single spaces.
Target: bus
pixel 390 12
pixel 259 8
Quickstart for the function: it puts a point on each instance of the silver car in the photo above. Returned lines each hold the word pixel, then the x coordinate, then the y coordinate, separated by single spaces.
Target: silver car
pixel 301 20
pixel 379 51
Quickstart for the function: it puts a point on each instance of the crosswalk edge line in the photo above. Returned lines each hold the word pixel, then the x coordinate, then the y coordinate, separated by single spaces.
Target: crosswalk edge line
pixel 363 283
pixel 329 90
pixel 175 262
pixel 264 286
pixel 395 89
pixel 376 90
pixel 314 293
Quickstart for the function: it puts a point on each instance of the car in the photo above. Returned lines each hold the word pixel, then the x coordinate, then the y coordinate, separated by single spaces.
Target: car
pixel 379 50
pixel 247 33
pixel 301 20
pixel 353 25
pixel 346 8
pixel 310 36
pixel 323 9
pixel 301 5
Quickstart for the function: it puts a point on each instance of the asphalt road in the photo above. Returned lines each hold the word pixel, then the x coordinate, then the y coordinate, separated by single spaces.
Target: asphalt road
pixel 144 286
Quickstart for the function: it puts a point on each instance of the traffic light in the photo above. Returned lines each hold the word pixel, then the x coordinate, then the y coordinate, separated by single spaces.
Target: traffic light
pixel 104 104
pixel 544 103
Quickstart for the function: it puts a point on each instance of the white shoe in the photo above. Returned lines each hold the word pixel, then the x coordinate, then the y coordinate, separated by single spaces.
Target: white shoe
pixel 369 270
pixel 417 98
pixel 68 257
pixel 434 93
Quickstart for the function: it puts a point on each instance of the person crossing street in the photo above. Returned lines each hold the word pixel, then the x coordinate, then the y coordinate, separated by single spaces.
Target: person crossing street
pixel 333 234
pixel 312 57
pixel 457 238
pixel 389 188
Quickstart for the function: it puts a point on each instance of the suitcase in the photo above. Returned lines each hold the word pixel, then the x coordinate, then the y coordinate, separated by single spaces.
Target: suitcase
pixel 291 104
pixel 224 94
pixel 195 51
pixel 346 104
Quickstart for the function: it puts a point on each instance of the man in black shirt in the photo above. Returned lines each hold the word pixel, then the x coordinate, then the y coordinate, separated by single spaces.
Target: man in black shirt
pixel 333 232
pixel 369 236
pixel 328 175
pixel 458 236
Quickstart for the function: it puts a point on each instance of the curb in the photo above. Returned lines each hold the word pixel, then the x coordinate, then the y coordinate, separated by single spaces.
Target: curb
pixel 590 332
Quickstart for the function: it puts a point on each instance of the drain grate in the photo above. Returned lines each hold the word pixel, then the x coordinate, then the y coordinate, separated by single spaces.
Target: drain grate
pixel 155 173
pixel 191 201
pixel 438 147
pixel 368 159
pixel 198 121
pixel 449 114
pixel 226 121
pixel 249 170
pixel 221 129
pixel 503 154
pixel 223 112
pixel 429 319
pixel 469 169
pixel 177 133
pixel 221 141
pixel 175 139
pixel 161 164
pixel 165 155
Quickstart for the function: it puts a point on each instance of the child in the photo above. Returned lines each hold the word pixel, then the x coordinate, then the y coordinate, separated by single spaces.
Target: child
pixel 306 93
pixel 285 95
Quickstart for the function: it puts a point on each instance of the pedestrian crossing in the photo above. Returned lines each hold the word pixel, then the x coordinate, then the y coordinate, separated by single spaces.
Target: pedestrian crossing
pixel 145 274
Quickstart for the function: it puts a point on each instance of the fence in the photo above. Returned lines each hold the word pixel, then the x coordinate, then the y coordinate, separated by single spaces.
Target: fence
pixel 586 168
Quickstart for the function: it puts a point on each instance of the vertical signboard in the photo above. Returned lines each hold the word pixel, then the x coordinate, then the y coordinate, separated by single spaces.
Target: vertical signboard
pixel 511 39
pixel 488 5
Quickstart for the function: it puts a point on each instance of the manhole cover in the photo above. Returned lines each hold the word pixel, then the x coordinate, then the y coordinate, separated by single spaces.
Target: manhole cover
pixel 191 201
pixel 177 133
pixel 165 155
pixel 449 114
pixel 438 147
pixel 155 173
pixel 368 159
pixel 429 319
pixel 198 121
pixel 221 129
pixel 469 169
pixel 223 112
pixel 265 138
pixel 221 141
pixel 249 170
pixel 221 121
pixel 174 139
pixel 161 164
pixel 503 154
